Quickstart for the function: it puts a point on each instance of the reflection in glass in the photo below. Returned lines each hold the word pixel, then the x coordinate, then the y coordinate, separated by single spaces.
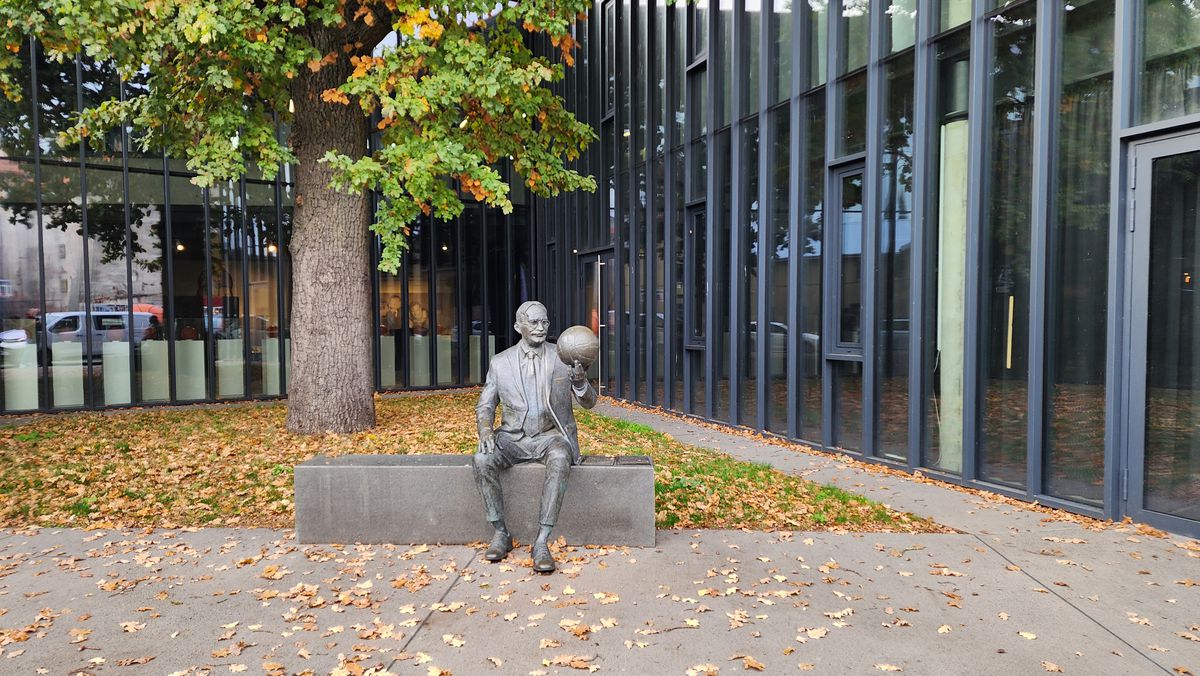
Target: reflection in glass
pixel 954 13
pixel 1078 280
pixel 855 34
pixel 753 30
pixel 718 277
pixel 679 229
pixel 812 229
pixel 191 289
pixel 1169 62
pixel 852 91
pixel 473 292
pixel 657 313
pixel 818 29
pixel 609 59
pixel 20 286
pixel 16 117
pixel 725 75
pixel 748 223
pixel 1172 454
pixel 262 252
pixel 895 259
pixel 1004 313
pixel 945 275
pixel 65 326
pixel 901 25
pixel 780 65
pixel 850 274
pixel 778 279
pixel 445 289
pixel 699 22
pixel 416 318
pixel 847 405
pixel 110 335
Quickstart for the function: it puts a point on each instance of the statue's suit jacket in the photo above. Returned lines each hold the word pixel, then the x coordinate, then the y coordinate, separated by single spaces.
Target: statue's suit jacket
pixel 504 385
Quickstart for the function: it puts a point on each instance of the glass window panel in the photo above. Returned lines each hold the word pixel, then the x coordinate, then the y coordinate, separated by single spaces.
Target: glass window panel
pixel 1169 61
pixel 640 107
pixel 818 52
pixel 110 336
pixel 473 293
pixel 698 271
pixel 778 279
pixel 624 79
pixel 850 274
pixel 1079 255
pixel 498 330
pixel 149 289
pixel 953 13
pixel 749 224
pixel 226 305
pixel 20 285
pixel 190 289
pixel 659 77
pixel 853 104
pixel 855 34
pixel 609 45
pixel 1004 312
pixel 392 321
pixel 895 259
pixel 699 173
pixel 57 103
pixel 16 117
pixel 847 405
pixel 658 270
pixel 420 298
pixel 780 66
pixel 725 80
pixel 812 226
pixel 946 255
pixel 287 202
pixel 65 324
pixel 262 257
pixel 679 72
pixel 699 22
pixel 679 230
pixel 638 290
pixel 1172 434
pixel 446 290
pixel 901 25
pixel 753 33
pixel 718 280
pixel 101 83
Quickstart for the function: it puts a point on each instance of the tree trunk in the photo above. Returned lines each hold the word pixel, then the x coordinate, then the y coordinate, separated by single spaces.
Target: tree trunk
pixel 331 384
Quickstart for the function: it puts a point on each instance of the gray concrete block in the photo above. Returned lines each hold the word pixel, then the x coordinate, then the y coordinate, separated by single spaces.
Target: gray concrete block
pixel 409 499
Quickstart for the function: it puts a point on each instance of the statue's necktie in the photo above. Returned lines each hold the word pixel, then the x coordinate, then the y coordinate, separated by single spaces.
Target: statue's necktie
pixel 533 410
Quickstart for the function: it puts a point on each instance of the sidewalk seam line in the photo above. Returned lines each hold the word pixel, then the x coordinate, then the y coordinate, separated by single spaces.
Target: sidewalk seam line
pixel 421 624
pixel 1067 601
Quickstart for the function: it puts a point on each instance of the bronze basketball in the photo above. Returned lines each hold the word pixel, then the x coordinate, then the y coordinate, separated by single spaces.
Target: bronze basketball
pixel 578 343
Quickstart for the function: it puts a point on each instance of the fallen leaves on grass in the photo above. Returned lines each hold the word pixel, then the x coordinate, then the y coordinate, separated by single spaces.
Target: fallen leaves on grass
pixel 232 466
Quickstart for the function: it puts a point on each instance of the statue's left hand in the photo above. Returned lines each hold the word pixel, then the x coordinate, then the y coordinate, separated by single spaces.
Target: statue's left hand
pixel 578 373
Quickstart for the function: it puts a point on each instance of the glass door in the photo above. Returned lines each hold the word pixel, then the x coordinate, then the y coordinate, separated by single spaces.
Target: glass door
pixel 1163 470
pixel 600 314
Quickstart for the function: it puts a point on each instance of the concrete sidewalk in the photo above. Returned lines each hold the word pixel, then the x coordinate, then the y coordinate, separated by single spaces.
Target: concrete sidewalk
pixel 1012 593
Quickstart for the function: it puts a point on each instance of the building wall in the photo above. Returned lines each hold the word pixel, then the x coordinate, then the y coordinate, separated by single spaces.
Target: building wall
pixel 187 290
pixel 922 201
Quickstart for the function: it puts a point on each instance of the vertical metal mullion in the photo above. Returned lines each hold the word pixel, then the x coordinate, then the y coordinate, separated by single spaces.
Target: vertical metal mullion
pixel 169 253
pixel 1040 308
pixel 669 197
pixel 922 115
pixel 871 220
pixel 1117 405
pixel 766 213
pixel 43 340
pixel 509 287
pixel 801 19
pixel 976 205
pixel 833 41
pixel 486 309
pixel 89 393
pixel 710 220
pixel 736 256
pixel 131 331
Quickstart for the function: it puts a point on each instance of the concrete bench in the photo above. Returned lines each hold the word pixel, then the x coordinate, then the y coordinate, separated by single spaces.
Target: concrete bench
pixel 410 499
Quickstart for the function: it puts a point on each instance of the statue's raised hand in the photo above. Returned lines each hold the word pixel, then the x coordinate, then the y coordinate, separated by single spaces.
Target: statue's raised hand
pixel 578 374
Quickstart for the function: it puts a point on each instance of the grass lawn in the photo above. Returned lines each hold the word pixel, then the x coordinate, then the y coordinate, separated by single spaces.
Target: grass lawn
pixel 233 466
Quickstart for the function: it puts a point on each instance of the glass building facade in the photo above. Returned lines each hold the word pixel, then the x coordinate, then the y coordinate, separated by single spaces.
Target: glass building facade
pixel 954 235
pixel 122 283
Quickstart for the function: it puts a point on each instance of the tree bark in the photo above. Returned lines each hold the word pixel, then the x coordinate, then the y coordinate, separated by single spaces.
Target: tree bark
pixel 332 383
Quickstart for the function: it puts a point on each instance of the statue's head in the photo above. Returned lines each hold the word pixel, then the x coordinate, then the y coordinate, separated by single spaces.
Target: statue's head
pixel 533 323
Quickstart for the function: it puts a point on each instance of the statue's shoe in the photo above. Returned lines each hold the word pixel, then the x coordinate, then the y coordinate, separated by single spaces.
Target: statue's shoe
pixel 543 562
pixel 502 544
